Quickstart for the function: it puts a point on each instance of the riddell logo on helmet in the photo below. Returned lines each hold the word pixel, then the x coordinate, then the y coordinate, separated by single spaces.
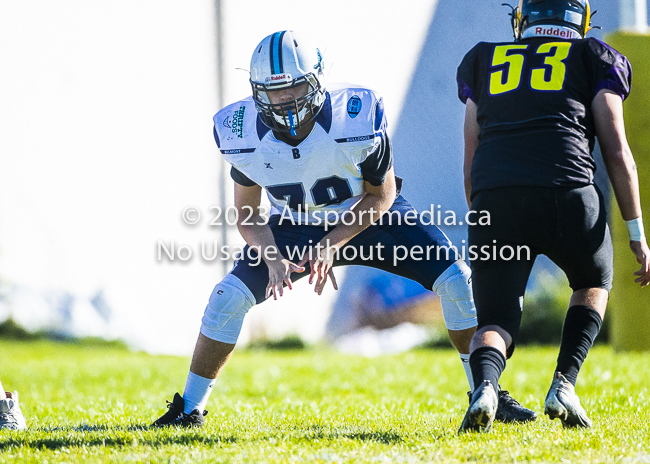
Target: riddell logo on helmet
pixel 278 78
pixel 556 32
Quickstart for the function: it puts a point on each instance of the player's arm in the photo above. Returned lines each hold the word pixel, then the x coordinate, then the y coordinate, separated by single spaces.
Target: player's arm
pixel 607 108
pixel 256 232
pixel 471 133
pixel 376 201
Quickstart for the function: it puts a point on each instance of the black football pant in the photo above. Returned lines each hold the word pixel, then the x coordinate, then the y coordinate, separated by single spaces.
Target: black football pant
pixel 568 225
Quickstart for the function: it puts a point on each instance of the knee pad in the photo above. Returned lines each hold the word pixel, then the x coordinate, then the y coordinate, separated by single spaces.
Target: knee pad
pixel 224 315
pixel 453 287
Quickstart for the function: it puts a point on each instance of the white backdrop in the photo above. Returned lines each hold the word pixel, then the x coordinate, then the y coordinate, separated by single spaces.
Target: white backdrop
pixel 106 136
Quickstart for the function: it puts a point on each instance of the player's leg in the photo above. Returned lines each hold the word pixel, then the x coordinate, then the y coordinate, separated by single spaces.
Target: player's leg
pixel 498 292
pixel 438 270
pixel 585 254
pixel 581 326
pixel 498 283
pixel 461 340
pixel 453 288
pixel 221 324
pixel 11 417
pixel 230 301
pixel 210 356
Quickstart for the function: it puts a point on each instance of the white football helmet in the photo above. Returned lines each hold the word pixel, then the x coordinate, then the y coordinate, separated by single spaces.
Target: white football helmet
pixel 284 59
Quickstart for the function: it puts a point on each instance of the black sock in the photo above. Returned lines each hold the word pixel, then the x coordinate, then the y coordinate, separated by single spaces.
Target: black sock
pixel 487 363
pixel 581 326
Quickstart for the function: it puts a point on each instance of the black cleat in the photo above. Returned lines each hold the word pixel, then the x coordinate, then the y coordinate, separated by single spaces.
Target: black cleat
pixel 510 410
pixel 482 409
pixel 175 417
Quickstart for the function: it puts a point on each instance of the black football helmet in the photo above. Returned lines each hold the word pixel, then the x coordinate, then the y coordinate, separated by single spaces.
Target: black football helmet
pixel 571 16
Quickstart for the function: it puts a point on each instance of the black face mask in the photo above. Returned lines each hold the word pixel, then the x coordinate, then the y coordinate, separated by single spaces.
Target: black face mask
pixel 290 116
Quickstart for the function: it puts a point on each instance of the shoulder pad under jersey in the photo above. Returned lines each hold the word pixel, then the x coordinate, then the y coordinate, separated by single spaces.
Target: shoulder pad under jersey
pixel 357 114
pixel 238 131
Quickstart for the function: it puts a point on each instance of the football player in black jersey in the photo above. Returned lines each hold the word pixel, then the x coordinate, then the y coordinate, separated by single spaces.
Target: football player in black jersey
pixel 533 110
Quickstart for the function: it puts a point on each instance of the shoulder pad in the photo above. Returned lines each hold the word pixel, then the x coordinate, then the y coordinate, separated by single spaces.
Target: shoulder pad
pixel 611 68
pixel 357 113
pixel 477 50
pixel 236 130
pixel 603 51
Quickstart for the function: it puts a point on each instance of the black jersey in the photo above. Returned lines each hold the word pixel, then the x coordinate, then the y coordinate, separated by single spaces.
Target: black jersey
pixel 534 108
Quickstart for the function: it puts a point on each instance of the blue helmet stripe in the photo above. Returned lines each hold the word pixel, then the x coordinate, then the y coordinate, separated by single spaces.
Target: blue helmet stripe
pixel 271 49
pixel 281 70
pixel 276 53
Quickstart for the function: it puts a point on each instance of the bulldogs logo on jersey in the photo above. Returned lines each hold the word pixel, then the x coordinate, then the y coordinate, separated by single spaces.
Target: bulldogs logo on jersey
pixel 354 106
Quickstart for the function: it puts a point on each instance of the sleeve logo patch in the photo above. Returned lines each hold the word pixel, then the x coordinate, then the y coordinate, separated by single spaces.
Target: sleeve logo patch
pixel 354 106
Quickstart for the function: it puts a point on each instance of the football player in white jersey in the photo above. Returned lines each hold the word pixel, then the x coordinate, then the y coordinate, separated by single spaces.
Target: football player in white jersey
pixel 326 163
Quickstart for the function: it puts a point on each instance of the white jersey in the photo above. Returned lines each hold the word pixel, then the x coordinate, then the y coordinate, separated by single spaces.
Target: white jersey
pixel 321 177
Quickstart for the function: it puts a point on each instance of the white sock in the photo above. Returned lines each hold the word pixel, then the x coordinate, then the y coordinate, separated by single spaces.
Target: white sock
pixel 464 358
pixel 197 391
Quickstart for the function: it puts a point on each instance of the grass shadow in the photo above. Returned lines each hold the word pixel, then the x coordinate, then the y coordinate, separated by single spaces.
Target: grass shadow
pixel 104 435
pixel 380 436
pixel 91 428
pixel 387 438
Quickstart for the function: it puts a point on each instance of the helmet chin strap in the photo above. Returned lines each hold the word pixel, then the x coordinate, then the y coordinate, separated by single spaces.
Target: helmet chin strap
pixel 292 124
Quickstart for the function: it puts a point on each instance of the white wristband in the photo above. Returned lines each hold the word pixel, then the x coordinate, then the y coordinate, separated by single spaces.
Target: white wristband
pixel 635 229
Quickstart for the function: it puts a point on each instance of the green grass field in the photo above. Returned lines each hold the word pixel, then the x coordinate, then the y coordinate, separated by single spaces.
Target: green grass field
pixel 93 404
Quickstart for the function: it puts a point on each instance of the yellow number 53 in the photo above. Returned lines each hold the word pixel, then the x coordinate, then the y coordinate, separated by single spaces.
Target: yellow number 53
pixel 512 56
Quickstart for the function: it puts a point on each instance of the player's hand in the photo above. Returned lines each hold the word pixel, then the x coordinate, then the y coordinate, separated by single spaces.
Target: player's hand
pixel 279 273
pixel 642 253
pixel 321 268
